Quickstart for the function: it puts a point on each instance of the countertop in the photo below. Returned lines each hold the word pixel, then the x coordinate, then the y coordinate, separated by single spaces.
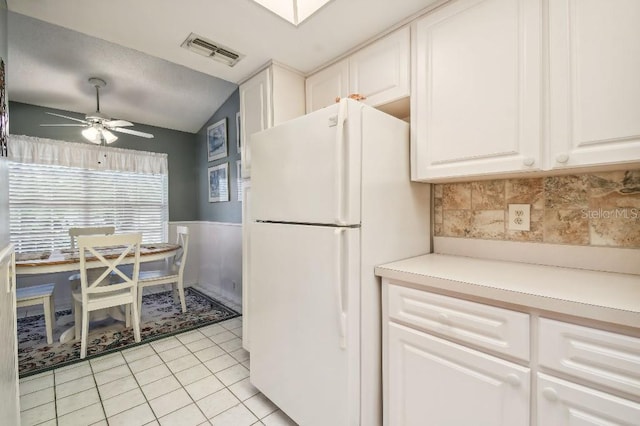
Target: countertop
pixel 603 296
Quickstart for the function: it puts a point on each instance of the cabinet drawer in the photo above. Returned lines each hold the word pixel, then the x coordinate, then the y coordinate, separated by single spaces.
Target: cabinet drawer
pixel 599 356
pixel 489 327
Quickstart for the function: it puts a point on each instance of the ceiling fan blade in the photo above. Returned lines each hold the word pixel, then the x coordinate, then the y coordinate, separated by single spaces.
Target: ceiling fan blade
pixel 68 118
pixel 132 132
pixel 63 125
pixel 117 123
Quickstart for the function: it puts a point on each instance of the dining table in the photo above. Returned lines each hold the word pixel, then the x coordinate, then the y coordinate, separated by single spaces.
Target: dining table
pixel 68 260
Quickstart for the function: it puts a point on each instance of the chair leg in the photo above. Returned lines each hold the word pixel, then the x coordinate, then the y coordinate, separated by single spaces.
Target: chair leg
pixel 181 293
pixel 139 302
pixel 127 316
pixel 136 322
pixel 77 318
pixel 85 332
pixel 46 302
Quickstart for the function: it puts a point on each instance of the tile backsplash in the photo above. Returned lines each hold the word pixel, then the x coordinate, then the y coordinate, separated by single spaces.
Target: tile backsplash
pixel 597 209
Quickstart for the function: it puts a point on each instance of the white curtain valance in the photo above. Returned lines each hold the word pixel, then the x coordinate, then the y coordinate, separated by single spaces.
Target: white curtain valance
pixel 29 149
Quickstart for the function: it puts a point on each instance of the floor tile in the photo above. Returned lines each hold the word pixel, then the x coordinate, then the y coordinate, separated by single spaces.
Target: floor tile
pixel 232 345
pixel 63 376
pixel 84 416
pixel 186 416
pixel 137 416
pixel 210 352
pixel 112 374
pixel 137 352
pixel 72 366
pixel 174 353
pixel 36 398
pixel 240 355
pixel 165 344
pixel 201 388
pixel 153 423
pixel 170 402
pixel 190 336
pixel 225 336
pixel 192 374
pixel 75 386
pixel 145 363
pixel 152 374
pixel 117 387
pixel 39 376
pixel 160 387
pixel 211 330
pixel 233 374
pixel 260 405
pixel 243 389
pixel 235 416
pixel 183 363
pixel 232 323
pixel 218 402
pixel 106 362
pixel 220 363
pixel 38 414
pixel 278 418
pixel 77 401
pixel 36 384
pixel 199 344
pixel 237 332
pixel 100 423
pixel 123 402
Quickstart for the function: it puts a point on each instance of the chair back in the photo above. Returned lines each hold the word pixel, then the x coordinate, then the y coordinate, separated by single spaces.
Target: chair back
pixel 94 230
pixel 180 258
pixel 110 251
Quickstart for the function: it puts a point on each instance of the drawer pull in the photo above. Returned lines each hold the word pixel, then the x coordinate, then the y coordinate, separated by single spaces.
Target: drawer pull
pixel 443 318
pixel 550 393
pixel 513 379
pixel 562 158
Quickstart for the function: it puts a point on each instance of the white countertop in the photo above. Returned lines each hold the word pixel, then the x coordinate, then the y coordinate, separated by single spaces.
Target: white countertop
pixel 604 296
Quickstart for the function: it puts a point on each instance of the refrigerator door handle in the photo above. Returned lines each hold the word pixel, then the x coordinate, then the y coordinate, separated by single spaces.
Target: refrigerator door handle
pixel 340 164
pixel 339 279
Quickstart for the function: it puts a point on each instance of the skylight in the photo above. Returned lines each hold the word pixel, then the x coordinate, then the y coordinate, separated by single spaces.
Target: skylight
pixel 294 11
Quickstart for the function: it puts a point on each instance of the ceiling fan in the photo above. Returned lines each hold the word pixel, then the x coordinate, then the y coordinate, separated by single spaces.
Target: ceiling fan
pixel 99 127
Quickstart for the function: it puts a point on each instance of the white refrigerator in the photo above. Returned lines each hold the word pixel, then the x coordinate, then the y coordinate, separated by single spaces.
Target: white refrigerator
pixel 332 198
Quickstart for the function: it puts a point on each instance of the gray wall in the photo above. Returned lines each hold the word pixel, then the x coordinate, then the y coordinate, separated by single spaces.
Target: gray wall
pixel 230 211
pixel 180 146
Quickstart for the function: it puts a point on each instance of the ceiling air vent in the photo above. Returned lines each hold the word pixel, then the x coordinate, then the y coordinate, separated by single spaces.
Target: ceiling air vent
pixel 211 49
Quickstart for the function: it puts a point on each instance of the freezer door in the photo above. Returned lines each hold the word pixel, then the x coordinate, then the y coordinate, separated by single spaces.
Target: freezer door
pixel 307 170
pixel 304 321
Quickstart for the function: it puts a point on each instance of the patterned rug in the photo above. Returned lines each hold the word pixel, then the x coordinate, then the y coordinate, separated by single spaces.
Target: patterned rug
pixel 161 318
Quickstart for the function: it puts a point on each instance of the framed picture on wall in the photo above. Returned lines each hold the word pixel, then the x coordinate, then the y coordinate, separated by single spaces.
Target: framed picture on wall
pixel 238 131
pixel 217 140
pixel 219 183
pixel 239 179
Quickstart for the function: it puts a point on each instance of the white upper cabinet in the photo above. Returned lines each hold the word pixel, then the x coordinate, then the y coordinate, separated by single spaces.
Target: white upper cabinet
pixel 476 103
pixel 323 87
pixel 594 82
pixel 379 72
pixel 271 97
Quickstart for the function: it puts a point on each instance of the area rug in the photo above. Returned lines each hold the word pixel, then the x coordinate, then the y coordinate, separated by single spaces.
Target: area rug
pixel 161 318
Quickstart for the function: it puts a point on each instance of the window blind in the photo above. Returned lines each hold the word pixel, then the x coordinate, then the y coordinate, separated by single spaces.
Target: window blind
pixel 46 200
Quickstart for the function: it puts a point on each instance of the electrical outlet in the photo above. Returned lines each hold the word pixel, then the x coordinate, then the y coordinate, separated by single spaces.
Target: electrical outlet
pixel 519 217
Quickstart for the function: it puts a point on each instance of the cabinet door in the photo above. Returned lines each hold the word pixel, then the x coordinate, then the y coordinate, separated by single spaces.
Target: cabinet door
pixel 246 249
pixel 562 403
pixel 323 87
pixel 594 82
pixel 380 72
pixel 435 382
pixel 476 98
pixel 255 113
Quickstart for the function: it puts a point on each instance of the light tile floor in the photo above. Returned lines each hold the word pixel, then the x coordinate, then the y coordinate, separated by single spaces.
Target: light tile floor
pixel 199 377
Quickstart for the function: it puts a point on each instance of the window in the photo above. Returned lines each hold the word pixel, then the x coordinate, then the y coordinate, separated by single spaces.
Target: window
pixel 45 200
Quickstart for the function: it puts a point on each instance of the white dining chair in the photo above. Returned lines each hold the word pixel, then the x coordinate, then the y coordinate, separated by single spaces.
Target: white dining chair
pixel 172 274
pixel 90 230
pixel 113 287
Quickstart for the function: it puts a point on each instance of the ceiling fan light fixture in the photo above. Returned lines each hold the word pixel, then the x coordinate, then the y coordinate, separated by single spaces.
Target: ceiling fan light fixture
pixel 294 11
pixel 108 136
pixel 92 135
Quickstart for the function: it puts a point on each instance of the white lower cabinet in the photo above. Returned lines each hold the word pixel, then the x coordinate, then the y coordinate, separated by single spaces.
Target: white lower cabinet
pixel 436 382
pixel 562 403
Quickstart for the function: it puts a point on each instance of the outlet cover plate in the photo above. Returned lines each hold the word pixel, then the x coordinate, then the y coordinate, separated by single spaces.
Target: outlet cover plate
pixel 519 217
